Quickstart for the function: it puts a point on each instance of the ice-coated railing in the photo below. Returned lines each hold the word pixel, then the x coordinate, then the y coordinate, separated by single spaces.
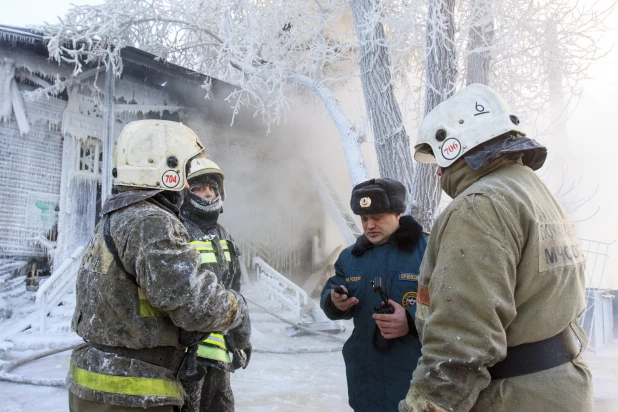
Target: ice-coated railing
pixel 279 288
pixel 51 292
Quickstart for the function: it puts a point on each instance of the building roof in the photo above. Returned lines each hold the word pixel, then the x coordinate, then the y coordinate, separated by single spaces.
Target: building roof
pixel 136 62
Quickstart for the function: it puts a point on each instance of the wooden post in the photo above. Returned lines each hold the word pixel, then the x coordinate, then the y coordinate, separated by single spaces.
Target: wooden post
pixel 108 135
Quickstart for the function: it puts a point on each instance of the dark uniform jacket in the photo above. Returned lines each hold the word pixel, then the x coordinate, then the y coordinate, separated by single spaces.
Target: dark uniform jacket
pixel 227 265
pixel 142 307
pixel 377 381
pixel 219 254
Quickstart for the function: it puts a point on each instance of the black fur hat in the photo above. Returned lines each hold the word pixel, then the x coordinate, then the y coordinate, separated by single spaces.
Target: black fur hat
pixel 377 196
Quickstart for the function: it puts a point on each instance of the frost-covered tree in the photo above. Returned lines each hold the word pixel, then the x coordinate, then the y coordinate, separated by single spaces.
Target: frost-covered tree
pixel 268 49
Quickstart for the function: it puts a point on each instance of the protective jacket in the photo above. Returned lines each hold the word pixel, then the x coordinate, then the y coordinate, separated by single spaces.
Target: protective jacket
pixel 130 309
pixel 219 254
pixel 378 380
pixel 503 268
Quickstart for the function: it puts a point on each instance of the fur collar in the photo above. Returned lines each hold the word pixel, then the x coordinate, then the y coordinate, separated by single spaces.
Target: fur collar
pixel 405 238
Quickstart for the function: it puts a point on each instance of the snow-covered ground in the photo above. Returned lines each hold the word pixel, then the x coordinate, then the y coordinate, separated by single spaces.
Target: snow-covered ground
pixel 272 382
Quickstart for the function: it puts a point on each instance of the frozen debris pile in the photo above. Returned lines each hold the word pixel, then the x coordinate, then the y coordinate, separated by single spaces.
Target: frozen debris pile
pixel 19 330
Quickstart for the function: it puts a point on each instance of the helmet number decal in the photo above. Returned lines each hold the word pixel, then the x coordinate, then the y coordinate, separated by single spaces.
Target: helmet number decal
pixel 171 178
pixel 480 109
pixel 451 148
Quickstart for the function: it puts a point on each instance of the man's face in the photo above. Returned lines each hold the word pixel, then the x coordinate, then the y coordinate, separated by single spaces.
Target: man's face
pixel 378 228
pixel 205 192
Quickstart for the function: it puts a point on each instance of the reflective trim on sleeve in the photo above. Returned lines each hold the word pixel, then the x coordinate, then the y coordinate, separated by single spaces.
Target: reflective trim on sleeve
pixel 210 352
pixel 126 385
pixel 146 310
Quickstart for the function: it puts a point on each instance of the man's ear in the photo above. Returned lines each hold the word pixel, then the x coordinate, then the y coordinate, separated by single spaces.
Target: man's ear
pixel 397 216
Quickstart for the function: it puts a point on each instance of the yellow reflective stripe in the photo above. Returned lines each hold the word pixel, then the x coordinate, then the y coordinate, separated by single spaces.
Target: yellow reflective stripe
pixel 207 252
pixel 201 244
pixel 126 385
pixel 146 310
pixel 226 249
pixel 208 257
pixel 216 339
pixel 203 248
pixel 209 352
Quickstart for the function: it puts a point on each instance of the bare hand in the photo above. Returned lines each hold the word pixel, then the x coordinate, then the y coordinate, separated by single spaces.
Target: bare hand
pixel 341 301
pixel 394 325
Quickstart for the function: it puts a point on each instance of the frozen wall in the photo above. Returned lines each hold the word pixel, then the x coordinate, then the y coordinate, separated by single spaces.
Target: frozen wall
pixel 30 169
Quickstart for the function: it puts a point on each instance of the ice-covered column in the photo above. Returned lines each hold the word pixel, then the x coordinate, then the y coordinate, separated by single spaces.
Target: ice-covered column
pixel 10 97
pixel 7 71
pixel 108 135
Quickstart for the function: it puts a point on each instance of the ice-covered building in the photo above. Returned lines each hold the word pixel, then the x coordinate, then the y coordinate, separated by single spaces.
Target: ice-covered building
pixel 52 155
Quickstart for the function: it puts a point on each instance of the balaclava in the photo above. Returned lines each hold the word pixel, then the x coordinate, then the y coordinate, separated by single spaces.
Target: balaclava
pixel 202 211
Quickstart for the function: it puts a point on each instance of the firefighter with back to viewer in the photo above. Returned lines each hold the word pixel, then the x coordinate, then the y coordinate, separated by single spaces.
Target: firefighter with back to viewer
pixel 219 254
pixel 141 297
pixel 502 282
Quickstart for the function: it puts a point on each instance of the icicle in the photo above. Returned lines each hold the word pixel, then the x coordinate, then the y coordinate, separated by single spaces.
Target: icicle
pixel 18 109
pixel 7 71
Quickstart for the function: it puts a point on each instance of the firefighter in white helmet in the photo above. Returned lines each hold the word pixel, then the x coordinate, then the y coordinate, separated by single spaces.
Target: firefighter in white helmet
pixel 219 254
pixel 502 281
pixel 140 286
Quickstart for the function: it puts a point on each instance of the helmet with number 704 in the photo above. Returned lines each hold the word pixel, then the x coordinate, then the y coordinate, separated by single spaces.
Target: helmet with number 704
pixel 467 119
pixel 153 154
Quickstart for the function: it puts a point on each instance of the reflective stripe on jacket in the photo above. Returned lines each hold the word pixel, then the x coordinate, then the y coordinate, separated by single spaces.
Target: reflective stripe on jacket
pixel 160 290
pixel 215 348
pixel 208 253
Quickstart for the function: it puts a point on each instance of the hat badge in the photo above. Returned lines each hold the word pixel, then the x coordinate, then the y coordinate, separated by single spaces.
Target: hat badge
pixel 365 202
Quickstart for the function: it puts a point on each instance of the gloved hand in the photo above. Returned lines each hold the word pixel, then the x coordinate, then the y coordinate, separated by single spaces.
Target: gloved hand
pixel 239 342
pixel 240 336
pixel 241 358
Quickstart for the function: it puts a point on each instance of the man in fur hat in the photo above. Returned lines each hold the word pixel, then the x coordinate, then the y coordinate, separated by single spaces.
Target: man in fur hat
pixel 384 348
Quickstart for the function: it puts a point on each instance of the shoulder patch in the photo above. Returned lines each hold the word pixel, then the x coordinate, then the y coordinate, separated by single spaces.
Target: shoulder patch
pixel 408 300
pixel 423 296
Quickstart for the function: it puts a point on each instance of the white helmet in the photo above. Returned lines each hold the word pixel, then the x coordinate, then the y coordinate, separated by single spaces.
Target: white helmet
pixel 153 154
pixel 472 116
pixel 202 166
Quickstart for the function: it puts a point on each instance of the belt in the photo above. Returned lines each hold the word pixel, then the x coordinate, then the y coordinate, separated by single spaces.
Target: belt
pixel 537 356
pixel 168 357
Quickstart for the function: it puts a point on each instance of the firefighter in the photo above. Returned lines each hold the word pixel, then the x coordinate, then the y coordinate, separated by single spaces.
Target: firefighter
pixel 140 283
pixel 502 282
pixel 384 348
pixel 219 254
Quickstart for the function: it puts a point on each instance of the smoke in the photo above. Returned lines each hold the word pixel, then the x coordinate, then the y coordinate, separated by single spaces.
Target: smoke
pixel 272 206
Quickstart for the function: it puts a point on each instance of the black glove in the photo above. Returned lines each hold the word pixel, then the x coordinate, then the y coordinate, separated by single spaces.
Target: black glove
pixel 240 337
pixel 241 358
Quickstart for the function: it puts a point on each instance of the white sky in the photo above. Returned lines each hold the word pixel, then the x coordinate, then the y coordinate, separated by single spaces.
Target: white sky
pixel 592 139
